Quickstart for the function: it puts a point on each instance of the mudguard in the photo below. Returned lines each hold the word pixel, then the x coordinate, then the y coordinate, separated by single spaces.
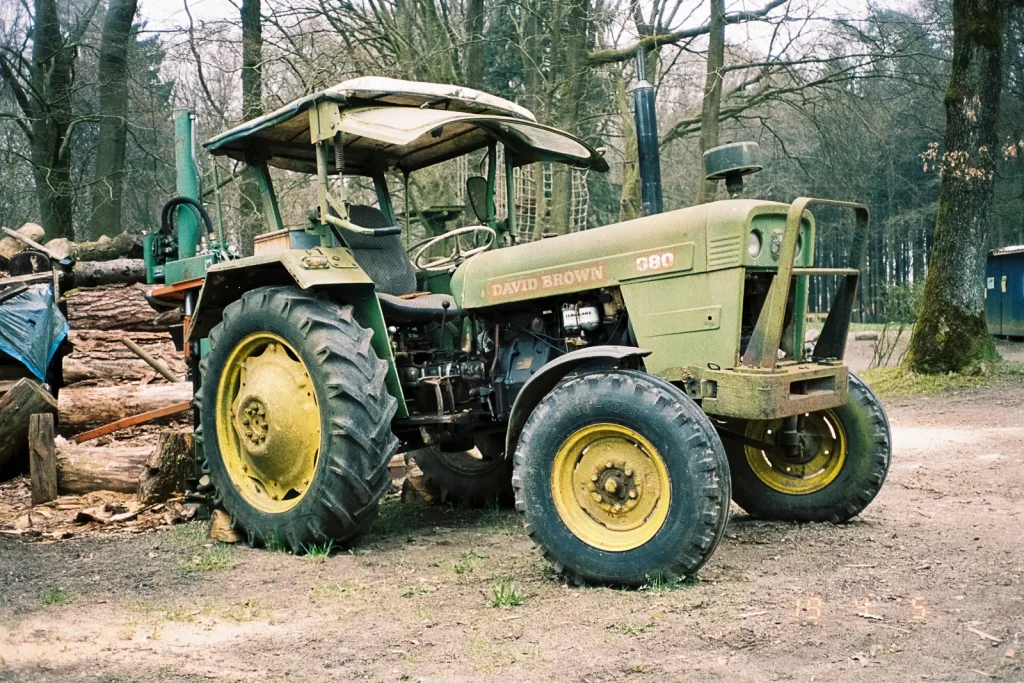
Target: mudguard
pixel 551 374
pixel 330 269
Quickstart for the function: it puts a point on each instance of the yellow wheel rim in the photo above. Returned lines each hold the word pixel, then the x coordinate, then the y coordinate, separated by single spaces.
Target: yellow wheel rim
pixel 610 487
pixel 268 422
pixel 824 444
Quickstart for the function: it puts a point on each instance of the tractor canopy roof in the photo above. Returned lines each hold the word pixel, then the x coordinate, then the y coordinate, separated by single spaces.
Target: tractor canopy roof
pixel 405 125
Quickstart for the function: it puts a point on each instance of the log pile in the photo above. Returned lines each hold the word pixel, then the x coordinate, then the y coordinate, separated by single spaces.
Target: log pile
pixel 123 363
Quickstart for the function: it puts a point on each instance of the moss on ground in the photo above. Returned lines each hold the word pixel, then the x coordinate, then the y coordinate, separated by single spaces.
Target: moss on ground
pixel 895 382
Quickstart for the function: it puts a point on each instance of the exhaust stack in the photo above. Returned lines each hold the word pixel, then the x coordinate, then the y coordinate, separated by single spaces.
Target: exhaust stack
pixel 647 139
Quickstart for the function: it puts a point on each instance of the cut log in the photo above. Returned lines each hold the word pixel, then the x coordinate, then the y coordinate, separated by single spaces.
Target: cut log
pixel 42 455
pixel 99 355
pixel 127 244
pixel 9 246
pixel 168 465
pixel 81 407
pixel 117 271
pixel 116 307
pixel 83 469
pixel 25 399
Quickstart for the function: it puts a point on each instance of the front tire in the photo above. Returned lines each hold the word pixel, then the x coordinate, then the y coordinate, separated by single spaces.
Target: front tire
pixel 853 450
pixel 296 419
pixel 621 479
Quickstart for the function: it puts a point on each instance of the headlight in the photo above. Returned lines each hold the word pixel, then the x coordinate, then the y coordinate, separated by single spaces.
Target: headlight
pixel 754 244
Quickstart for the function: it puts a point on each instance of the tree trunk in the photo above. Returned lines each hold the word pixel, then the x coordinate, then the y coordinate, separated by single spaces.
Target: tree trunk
pixel 99 355
pixel 630 200
pixel 53 62
pixel 79 408
pixel 112 76
pixel 574 43
pixel 116 307
pixel 83 469
pixel 252 107
pixel 167 467
pixel 125 245
pixel 951 333
pixel 712 103
pixel 121 271
pixel 25 399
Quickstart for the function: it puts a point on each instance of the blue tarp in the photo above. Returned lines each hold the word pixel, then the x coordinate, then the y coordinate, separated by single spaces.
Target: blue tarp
pixel 32 327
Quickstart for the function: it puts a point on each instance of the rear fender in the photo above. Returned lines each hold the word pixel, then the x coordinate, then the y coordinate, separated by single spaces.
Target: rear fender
pixel 538 386
pixel 331 270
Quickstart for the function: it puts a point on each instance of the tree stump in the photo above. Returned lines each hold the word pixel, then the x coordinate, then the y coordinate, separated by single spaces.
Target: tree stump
pixel 167 467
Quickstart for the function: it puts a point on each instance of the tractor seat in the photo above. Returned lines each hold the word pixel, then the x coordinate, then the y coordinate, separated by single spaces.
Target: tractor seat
pixel 384 259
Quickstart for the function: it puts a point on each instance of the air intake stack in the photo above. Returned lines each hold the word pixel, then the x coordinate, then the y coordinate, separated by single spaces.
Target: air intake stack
pixel 647 139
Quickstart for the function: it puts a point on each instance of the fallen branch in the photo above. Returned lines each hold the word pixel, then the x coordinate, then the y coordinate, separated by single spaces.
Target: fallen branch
pixel 152 362
pixel 986 636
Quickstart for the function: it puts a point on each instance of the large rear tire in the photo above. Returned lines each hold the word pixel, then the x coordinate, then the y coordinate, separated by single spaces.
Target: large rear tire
pixel 846 459
pixel 296 419
pixel 621 479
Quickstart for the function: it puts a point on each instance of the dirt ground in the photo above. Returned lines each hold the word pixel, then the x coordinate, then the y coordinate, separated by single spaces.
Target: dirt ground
pixel 927 585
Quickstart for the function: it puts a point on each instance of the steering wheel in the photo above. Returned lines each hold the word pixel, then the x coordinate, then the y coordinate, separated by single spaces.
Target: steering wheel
pixel 418 252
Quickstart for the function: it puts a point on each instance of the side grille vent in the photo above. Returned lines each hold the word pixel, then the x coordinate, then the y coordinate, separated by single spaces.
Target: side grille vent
pixel 724 251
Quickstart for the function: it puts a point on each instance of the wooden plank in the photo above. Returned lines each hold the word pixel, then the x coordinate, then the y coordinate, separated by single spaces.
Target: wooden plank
pixel 131 421
pixel 42 454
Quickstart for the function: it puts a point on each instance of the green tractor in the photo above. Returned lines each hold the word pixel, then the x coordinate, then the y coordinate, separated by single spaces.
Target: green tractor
pixel 625 382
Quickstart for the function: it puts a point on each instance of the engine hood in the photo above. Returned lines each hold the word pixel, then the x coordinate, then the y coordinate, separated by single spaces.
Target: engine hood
pixel 696 239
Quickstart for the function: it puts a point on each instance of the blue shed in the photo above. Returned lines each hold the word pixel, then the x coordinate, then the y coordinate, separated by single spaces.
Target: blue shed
pixel 1004 292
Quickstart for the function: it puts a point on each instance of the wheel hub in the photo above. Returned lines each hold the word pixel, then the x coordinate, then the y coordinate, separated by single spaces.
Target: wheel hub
pixel 819 456
pixel 272 422
pixel 614 488
pixel 610 487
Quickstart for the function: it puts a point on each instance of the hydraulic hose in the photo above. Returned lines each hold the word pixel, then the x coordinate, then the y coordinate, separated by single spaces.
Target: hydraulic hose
pixel 165 215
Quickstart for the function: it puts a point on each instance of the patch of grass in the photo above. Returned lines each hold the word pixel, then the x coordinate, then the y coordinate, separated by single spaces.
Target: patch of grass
pixel 275 543
pixel 54 596
pixel 189 534
pixel 505 594
pixel 180 614
pixel 468 562
pixel 319 551
pixel 899 382
pixel 210 559
pixel 413 591
pixel 631 629
pixel 4 601
pixel 659 583
pixel 395 519
pixel 250 610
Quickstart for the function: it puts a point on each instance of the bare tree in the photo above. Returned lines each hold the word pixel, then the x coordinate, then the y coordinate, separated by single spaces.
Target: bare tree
pixel 44 89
